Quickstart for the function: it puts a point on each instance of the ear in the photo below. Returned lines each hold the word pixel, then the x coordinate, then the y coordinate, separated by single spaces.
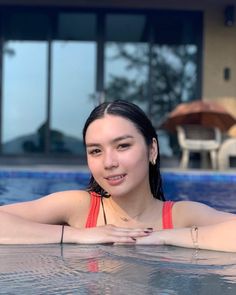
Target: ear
pixel 153 151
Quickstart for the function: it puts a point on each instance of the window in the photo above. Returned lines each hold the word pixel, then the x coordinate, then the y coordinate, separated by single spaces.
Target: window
pixel 73 81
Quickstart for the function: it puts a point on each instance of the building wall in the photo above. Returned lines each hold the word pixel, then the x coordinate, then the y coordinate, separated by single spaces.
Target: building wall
pixel 219 52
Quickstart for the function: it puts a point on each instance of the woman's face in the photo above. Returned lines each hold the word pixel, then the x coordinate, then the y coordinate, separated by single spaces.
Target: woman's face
pixel 117 155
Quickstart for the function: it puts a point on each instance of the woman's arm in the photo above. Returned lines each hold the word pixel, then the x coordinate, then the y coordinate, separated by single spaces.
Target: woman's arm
pixel 17 230
pixel 189 213
pixel 69 207
pixel 219 237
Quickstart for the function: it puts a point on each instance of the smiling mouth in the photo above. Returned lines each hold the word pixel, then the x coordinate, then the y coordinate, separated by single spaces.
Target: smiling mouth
pixel 115 177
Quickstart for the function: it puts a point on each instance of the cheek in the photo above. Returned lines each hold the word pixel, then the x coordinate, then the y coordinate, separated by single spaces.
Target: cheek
pixel 92 165
pixel 139 160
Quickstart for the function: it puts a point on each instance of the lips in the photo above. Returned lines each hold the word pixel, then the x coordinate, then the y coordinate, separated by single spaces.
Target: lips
pixel 115 179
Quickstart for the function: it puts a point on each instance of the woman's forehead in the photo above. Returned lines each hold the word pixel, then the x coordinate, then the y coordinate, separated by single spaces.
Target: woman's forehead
pixel 111 125
pixel 112 120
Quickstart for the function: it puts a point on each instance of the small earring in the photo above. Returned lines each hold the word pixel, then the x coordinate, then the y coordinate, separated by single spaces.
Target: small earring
pixel 153 162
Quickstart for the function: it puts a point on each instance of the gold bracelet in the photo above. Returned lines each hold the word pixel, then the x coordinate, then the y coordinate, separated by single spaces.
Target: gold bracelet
pixel 194 236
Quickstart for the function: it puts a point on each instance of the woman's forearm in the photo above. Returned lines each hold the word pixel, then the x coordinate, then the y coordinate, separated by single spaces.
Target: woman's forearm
pixel 219 237
pixel 16 230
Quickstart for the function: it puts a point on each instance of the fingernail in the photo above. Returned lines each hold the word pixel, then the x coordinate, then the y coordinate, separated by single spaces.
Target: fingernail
pixel 148 230
pixel 133 239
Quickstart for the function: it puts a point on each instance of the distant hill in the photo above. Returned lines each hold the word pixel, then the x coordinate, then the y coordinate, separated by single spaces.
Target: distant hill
pixel 31 144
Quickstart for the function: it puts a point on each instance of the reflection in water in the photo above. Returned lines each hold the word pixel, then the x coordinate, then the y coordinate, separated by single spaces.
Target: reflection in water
pixel 100 269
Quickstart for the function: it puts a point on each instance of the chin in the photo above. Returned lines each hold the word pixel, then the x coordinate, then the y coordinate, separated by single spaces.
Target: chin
pixel 118 192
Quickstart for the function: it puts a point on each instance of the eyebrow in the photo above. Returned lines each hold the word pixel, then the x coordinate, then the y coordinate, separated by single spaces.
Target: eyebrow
pixel 117 139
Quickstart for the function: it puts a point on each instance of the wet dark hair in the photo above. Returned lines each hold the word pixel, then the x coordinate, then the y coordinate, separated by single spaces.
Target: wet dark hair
pixel 137 116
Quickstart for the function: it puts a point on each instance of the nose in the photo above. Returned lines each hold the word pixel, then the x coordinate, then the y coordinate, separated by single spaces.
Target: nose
pixel 110 160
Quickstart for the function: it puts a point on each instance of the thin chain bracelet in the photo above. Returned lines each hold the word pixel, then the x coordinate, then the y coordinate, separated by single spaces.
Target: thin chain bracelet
pixel 62 233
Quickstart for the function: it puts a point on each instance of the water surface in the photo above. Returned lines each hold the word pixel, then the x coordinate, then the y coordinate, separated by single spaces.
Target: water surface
pixel 73 269
pixel 106 269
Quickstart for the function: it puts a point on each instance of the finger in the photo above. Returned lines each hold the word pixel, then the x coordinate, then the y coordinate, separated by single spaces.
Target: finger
pixel 130 233
pixel 125 229
pixel 125 240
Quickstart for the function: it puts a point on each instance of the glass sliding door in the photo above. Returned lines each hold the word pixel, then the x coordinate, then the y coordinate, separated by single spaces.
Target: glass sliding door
pixel 174 54
pixel 73 81
pixel 153 59
pixel 126 58
pixel 174 57
pixel 57 60
pixel 24 96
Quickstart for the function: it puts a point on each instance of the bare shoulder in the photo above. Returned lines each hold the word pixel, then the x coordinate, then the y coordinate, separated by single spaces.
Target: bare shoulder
pixel 60 207
pixel 188 213
pixel 78 204
pixel 67 198
pixel 81 196
pixel 74 202
pixel 185 205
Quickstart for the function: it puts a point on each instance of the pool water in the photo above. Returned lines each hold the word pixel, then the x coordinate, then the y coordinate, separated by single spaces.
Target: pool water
pixel 216 190
pixel 50 269
pixel 106 269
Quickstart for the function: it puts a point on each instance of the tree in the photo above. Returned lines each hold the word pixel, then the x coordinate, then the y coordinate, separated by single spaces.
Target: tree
pixel 163 76
pixel 158 77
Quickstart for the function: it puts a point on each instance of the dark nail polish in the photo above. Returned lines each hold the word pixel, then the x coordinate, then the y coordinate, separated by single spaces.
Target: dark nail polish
pixel 150 228
pixel 133 239
pixel 147 231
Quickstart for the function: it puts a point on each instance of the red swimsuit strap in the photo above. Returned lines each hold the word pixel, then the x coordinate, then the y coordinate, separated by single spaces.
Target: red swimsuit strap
pixel 94 210
pixel 95 206
pixel 167 215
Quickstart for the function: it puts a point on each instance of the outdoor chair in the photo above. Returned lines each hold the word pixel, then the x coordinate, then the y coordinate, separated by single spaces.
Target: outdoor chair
pixel 197 138
pixel 226 151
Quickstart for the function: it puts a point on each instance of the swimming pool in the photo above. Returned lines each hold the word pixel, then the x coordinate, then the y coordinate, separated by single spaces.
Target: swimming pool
pixel 215 189
pixel 105 269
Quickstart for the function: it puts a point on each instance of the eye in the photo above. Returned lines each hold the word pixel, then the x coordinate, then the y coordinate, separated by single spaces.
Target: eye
pixel 94 152
pixel 123 146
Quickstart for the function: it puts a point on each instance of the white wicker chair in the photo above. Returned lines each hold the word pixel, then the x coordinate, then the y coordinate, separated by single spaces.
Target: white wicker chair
pixel 196 138
pixel 227 150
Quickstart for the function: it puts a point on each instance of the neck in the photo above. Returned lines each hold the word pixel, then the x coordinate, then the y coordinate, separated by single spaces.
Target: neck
pixel 131 207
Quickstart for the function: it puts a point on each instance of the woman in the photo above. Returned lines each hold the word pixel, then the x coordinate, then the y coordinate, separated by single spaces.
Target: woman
pixel 124 202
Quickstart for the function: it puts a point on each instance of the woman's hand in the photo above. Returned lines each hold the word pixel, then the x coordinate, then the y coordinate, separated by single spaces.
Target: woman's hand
pixel 154 238
pixel 106 234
